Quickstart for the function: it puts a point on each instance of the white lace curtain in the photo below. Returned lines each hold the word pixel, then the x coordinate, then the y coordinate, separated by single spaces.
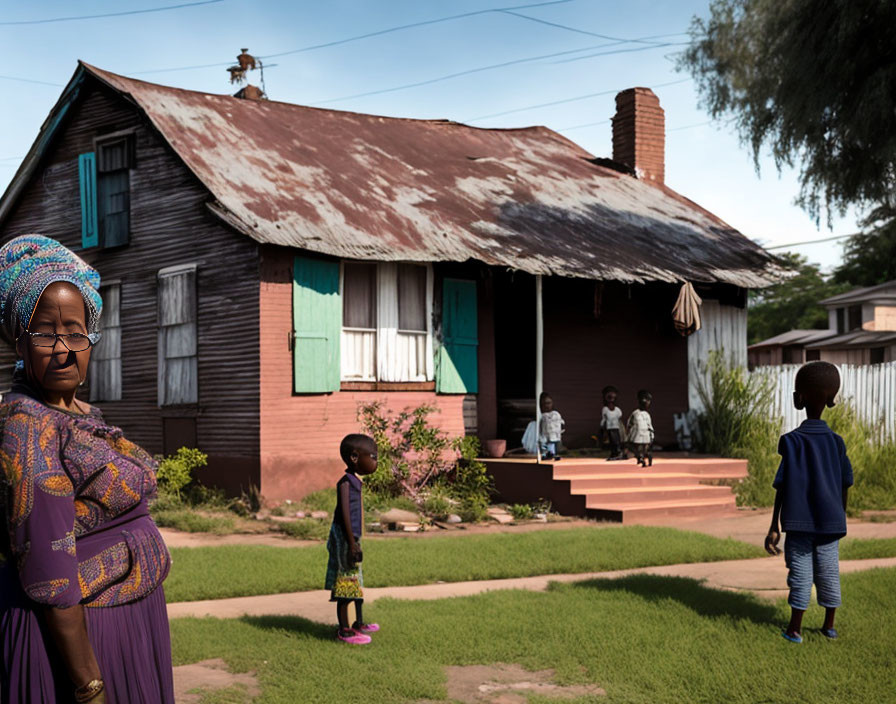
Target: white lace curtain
pixel 387 332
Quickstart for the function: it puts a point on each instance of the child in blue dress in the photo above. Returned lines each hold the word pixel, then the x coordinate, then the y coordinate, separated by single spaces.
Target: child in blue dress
pixel 812 484
pixel 344 577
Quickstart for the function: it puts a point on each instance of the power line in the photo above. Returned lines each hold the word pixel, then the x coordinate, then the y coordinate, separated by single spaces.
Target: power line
pixel 479 69
pixel 367 35
pixel 687 127
pixel 621 51
pixel 644 40
pixel 30 80
pixel 567 100
pixel 112 14
pixel 800 244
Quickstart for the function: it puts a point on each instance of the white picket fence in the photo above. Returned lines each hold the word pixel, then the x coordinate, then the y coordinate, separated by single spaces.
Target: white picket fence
pixel 871 389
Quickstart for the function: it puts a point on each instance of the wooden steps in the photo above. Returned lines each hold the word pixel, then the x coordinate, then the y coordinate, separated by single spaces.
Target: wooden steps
pixel 622 490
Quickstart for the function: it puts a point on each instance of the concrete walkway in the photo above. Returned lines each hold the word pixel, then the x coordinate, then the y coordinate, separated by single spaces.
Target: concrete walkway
pixel 766 577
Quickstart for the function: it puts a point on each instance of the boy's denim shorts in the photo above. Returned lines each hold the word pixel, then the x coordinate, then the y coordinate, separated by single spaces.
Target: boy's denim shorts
pixel 812 557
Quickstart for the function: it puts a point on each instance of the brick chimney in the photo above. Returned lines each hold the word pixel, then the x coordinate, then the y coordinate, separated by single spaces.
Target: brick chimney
pixel 639 134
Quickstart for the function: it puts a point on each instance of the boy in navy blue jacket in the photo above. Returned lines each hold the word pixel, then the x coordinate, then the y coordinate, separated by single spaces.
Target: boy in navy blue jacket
pixel 812 483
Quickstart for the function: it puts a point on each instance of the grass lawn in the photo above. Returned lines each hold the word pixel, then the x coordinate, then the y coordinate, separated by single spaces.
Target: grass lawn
pixel 219 572
pixel 867 548
pixel 642 639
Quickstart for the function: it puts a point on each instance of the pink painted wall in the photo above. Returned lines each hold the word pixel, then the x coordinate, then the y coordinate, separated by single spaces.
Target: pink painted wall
pixel 300 434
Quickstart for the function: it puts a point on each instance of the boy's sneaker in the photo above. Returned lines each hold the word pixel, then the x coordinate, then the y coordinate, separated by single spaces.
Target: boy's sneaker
pixel 366 627
pixel 829 633
pixel 352 637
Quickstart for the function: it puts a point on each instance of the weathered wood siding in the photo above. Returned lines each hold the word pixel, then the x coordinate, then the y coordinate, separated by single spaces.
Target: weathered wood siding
pixel 300 433
pixel 724 329
pixel 170 225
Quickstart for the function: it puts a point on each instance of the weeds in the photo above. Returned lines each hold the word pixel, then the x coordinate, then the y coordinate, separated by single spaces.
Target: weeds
pixel 735 422
pixel 873 458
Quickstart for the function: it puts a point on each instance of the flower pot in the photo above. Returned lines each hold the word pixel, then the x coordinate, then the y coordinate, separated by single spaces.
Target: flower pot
pixel 495 448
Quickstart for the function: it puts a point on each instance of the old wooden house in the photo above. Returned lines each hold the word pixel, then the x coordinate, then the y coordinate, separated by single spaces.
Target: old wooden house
pixel 267 267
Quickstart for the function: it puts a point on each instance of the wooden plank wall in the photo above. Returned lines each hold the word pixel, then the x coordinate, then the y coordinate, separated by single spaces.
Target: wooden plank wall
pixel 170 225
pixel 724 329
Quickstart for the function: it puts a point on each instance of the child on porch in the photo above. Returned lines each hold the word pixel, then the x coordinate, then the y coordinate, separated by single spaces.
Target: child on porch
pixel 812 485
pixel 344 577
pixel 640 430
pixel 611 422
pixel 551 428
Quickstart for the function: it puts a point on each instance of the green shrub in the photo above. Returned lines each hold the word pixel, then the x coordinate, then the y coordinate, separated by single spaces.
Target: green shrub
pixel 521 512
pixel 176 471
pixel 322 500
pixel 735 422
pixel 437 503
pixel 873 458
pixel 306 529
pixel 191 521
pixel 415 456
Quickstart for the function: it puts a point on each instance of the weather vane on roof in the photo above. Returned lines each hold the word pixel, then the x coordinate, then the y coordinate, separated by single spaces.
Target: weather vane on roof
pixel 246 63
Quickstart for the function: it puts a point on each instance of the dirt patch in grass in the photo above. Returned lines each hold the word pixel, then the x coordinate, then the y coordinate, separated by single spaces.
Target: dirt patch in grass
pixel 194 682
pixel 508 684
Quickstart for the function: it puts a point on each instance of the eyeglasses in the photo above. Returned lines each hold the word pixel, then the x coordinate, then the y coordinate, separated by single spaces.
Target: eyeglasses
pixel 74 342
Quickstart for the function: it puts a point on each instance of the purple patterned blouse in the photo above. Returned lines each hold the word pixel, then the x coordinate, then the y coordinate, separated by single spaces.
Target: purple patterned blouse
pixel 74 495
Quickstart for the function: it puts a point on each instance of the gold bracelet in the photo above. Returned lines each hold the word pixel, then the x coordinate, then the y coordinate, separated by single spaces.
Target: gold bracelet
pixel 88 691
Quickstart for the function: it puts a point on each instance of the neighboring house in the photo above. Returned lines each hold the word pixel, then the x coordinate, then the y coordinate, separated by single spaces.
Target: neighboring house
pixel 861 330
pixel 268 267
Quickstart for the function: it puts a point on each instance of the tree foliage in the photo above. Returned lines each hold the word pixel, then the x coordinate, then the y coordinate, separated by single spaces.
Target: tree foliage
pixel 793 303
pixel 869 258
pixel 813 81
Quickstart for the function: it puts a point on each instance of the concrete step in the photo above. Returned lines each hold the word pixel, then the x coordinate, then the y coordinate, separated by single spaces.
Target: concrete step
pixel 619 480
pixel 656 494
pixel 715 469
pixel 644 512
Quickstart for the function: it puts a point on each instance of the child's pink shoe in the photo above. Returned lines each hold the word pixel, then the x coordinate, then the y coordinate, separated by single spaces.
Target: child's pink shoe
pixel 366 627
pixel 352 637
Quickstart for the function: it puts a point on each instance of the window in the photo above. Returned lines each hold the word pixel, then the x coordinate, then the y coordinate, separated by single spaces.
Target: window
pixel 855 317
pixel 877 355
pixel 113 190
pixel 386 333
pixel 841 321
pixel 105 185
pixel 359 322
pixel 105 360
pixel 178 366
pixel 813 355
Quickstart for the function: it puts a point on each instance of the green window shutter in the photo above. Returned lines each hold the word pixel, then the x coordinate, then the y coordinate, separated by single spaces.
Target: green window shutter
pixel 87 180
pixel 317 325
pixel 458 361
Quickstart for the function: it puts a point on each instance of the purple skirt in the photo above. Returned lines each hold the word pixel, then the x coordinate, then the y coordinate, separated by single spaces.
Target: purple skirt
pixel 132 645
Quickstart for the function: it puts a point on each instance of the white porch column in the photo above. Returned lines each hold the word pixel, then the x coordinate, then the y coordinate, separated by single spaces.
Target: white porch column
pixel 539 360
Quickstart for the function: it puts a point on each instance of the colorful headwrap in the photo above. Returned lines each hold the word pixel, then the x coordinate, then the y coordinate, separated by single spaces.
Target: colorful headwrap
pixel 30 263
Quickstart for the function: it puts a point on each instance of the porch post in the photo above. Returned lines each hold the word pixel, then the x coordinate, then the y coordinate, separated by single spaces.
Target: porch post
pixel 539 361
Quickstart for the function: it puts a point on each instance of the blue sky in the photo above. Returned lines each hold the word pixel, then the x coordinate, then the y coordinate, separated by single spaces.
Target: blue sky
pixel 704 161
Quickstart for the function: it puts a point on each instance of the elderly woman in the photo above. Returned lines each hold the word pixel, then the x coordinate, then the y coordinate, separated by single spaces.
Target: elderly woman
pixel 82 611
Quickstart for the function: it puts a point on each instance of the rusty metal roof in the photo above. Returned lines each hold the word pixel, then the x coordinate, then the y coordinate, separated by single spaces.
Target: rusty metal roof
pixel 367 187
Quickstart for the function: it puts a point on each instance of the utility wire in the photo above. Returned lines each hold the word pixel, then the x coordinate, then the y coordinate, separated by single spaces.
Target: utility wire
pixel 621 51
pixel 479 69
pixel 567 100
pixel 800 244
pixel 643 40
pixel 111 14
pixel 347 40
pixel 30 80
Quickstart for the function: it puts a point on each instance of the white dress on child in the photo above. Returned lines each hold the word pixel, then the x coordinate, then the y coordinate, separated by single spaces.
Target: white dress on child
pixel 640 427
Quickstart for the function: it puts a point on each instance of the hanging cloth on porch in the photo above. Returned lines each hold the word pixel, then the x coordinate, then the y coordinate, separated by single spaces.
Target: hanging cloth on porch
pixel 686 313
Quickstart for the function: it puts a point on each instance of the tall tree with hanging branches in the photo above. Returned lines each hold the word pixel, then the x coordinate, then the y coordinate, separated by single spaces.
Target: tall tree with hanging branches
pixel 813 81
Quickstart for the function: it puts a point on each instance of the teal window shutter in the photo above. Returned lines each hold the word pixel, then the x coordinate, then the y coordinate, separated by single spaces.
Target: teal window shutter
pixel 317 325
pixel 458 359
pixel 90 236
